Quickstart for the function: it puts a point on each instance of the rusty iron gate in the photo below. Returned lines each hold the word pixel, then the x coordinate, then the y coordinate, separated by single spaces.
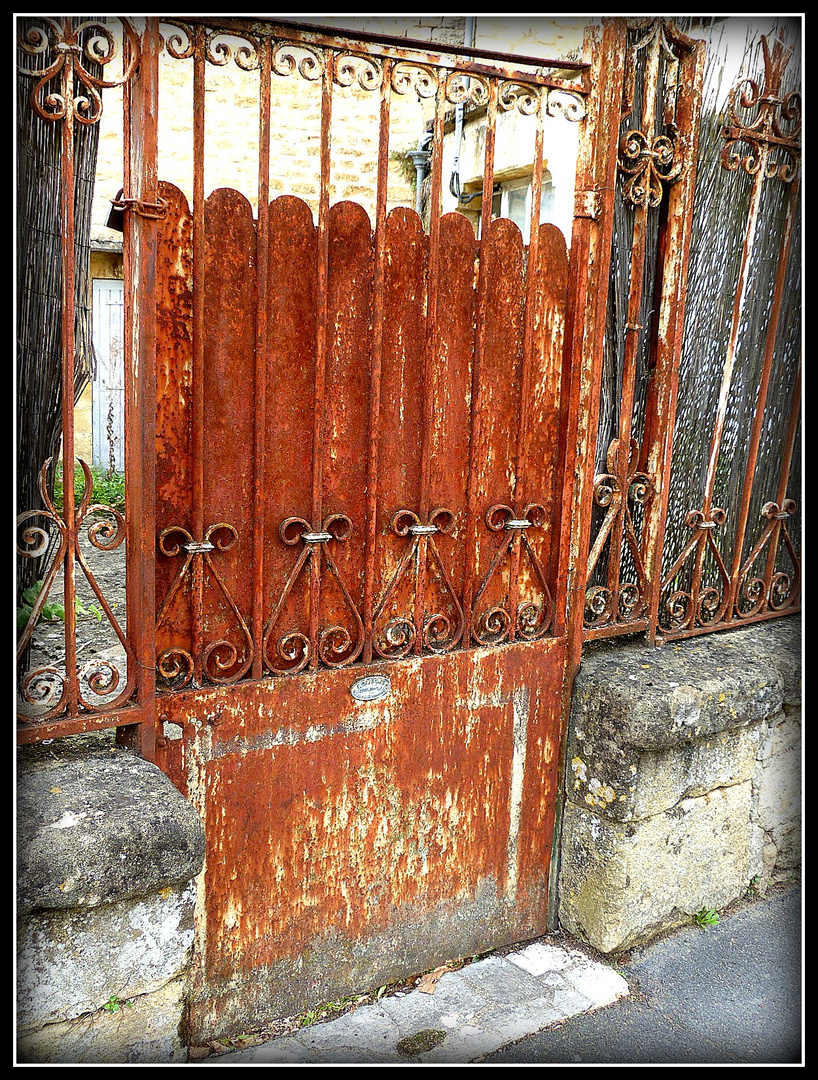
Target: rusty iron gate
pixel 387 469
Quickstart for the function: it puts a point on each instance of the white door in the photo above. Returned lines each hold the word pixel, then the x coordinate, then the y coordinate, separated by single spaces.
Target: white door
pixel 108 398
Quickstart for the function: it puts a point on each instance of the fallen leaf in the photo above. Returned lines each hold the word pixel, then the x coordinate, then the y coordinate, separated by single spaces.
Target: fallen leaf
pixel 430 980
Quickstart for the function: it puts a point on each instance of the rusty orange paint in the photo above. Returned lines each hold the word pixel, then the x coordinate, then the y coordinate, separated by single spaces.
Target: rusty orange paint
pixel 330 821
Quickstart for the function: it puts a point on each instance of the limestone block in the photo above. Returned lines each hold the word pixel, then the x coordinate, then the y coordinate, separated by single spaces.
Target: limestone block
pixel 71 962
pixel 143 1031
pixel 651 726
pixel 639 783
pixel 107 853
pixel 100 826
pixel 778 790
pixel 624 882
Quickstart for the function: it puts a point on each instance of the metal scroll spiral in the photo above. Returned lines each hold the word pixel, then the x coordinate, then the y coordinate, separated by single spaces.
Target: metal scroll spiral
pixel 776 590
pixel 774 136
pixel 414 78
pixel 221 660
pixel 182 42
pixel 97 678
pixel 650 164
pixel 334 646
pixel 602 605
pixel 531 618
pixel 697 605
pixel 438 631
pixel 70 48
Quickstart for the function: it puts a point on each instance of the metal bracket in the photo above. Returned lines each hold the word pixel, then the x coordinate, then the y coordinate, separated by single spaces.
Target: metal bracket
pixel 198 548
pixel 587 205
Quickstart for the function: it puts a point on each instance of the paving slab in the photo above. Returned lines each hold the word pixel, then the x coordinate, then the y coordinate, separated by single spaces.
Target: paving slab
pixel 471 1013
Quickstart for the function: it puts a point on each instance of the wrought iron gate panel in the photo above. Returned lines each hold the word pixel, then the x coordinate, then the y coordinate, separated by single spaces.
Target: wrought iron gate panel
pixel 729 556
pixel 463 525
pixel 366 530
pixel 361 639
pixel 656 168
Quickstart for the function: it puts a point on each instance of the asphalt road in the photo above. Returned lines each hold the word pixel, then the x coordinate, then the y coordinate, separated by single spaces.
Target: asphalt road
pixel 727 995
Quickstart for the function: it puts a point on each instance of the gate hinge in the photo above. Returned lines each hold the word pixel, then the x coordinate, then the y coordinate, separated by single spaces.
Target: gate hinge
pixel 587 205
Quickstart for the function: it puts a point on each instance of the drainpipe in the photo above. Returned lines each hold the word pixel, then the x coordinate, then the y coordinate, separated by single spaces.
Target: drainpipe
pixel 420 159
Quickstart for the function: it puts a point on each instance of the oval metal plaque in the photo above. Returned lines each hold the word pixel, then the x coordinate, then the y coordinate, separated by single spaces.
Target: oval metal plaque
pixel 370 687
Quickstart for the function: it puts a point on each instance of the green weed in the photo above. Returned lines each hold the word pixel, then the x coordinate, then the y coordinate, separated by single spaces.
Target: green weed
pixel 116 1004
pixel 706 917
pixel 52 610
pixel 108 489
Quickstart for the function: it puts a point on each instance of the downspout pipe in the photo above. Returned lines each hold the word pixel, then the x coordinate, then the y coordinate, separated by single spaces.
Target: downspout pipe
pixel 420 159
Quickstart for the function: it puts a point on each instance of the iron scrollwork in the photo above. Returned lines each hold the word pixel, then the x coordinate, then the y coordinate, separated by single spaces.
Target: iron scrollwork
pixel 653 159
pixel 49 687
pixel 776 130
pixel 434 631
pixel 617 492
pixel 333 646
pixel 698 605
pixel 219 660
pixel 775 590
pixel 72 48
pixel 528 617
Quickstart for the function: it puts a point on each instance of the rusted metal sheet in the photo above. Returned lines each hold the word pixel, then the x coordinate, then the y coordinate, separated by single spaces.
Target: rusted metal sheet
pixel 333 825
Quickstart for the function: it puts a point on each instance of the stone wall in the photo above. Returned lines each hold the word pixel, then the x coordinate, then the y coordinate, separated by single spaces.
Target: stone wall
pixel 682 792
pixel 107 851
pixel 683 782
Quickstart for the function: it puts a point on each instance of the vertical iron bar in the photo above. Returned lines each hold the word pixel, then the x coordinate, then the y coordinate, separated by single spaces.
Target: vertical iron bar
pixel 587 303
pixel 761 398
pixel 197 565
pixel 140 108
pixel 68 363
pixel 633 331
pixel 520 490
pixel 784 475
pixel 320 348
pixel 588 268
pixel 260 407
pixel 432 297
pixel 660 411
pixel 479 349
pixel 377 358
